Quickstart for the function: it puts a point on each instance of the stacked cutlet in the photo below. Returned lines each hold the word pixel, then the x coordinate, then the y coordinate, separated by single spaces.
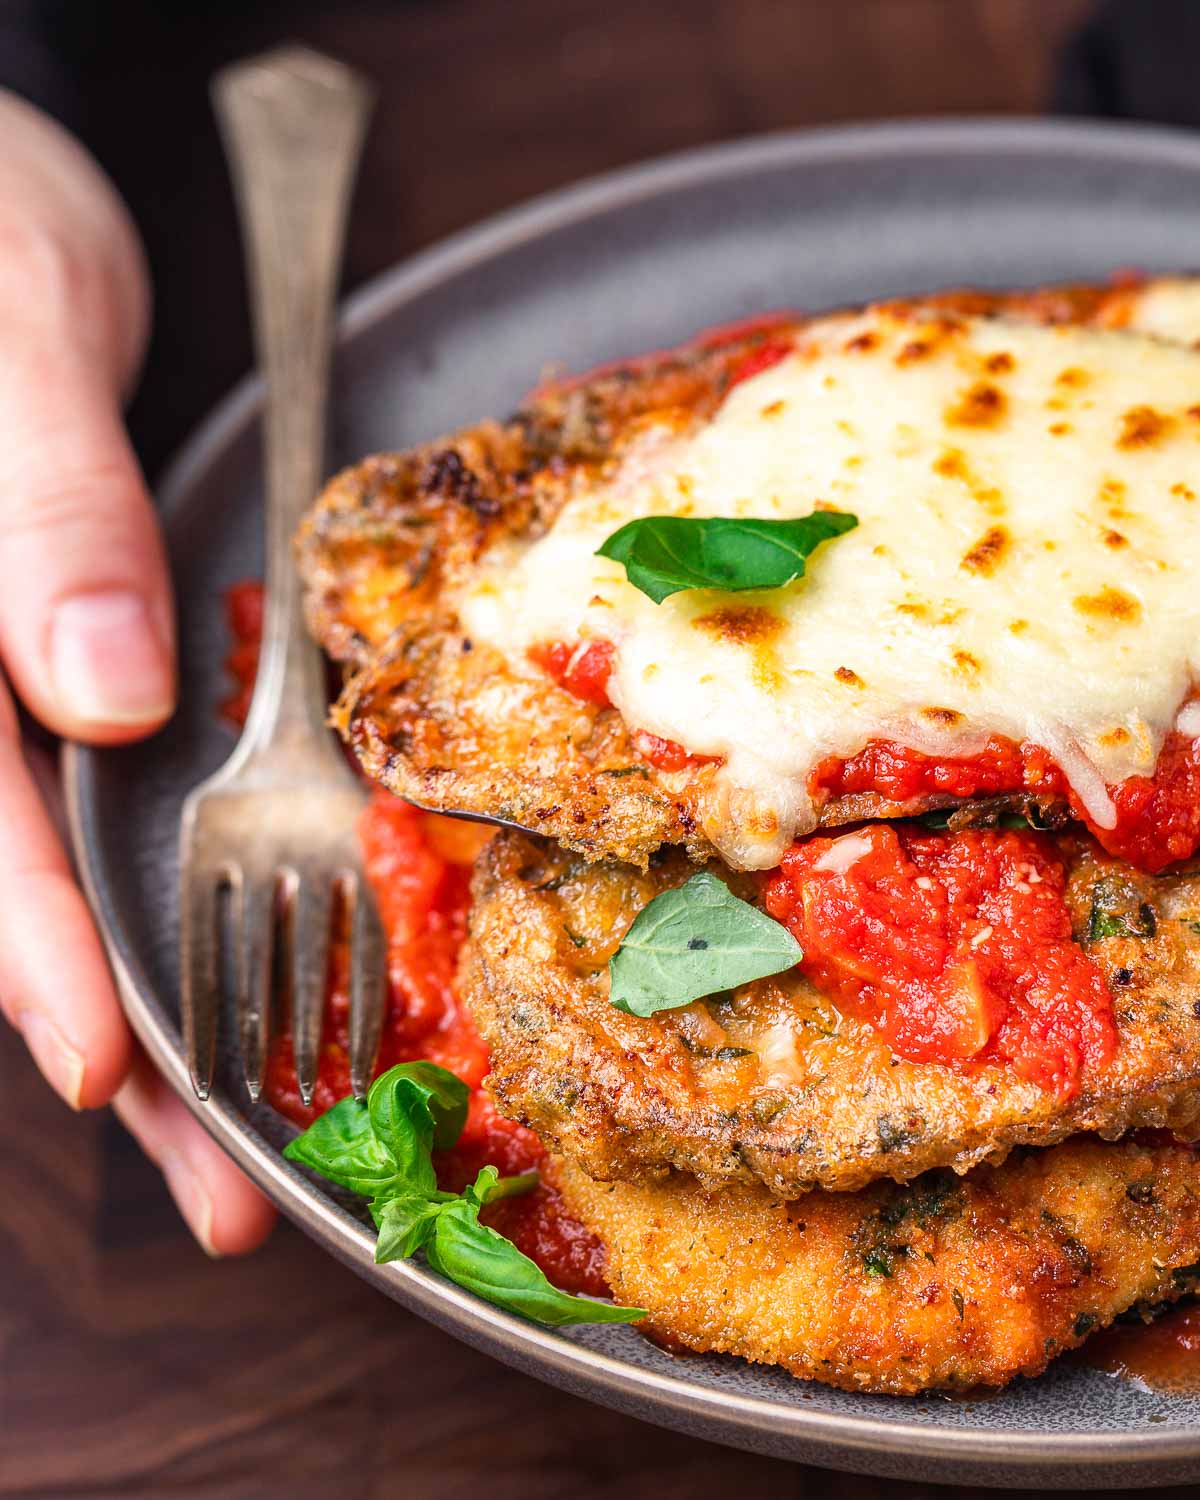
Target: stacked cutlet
pixel 777 1170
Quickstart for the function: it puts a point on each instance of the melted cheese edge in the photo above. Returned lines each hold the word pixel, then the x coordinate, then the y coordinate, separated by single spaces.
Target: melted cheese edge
pixel 1027 559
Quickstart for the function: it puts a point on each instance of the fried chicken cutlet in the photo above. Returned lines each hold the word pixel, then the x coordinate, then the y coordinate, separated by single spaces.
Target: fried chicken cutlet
pixel 946 1283
pixel 413 566
pixel 778 1083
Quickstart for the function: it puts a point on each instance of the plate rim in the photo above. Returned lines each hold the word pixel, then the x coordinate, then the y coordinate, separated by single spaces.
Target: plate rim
pixel 513 1340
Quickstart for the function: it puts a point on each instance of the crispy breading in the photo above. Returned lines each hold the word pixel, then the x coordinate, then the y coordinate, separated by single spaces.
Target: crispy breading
pixel 444 720
pixel 773 1083
pixel 946 1283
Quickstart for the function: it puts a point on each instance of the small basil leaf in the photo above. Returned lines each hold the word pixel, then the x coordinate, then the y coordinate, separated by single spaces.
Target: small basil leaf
pixel 939 818
pixel 484 1262
pixel 663 555
pixel 489 1186
pixel 404 1225
pixel 1113 916
pixel 342 1146
pixel 415 1108
pixel 692 941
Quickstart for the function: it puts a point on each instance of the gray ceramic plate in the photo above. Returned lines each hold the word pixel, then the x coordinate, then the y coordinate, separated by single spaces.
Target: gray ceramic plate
pixel 631 262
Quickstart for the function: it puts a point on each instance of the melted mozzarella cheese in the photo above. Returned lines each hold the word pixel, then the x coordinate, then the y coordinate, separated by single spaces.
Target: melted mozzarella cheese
pixel 1169 308
pixel 1027 562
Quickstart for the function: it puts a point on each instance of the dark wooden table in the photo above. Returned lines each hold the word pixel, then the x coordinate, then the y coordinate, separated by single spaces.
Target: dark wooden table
pixel 129 1363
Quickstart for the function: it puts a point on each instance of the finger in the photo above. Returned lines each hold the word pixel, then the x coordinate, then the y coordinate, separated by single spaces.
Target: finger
pixel 86 621
pixel 221 1206
pixel 55 985
pixel 85 613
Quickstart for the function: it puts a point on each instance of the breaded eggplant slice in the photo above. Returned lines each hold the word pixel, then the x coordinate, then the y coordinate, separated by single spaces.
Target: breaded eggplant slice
pixel 946 1283
pixel 773 1083
pixel 444 720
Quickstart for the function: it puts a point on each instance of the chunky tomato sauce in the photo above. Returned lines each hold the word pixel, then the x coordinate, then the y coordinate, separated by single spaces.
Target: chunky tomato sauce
pixel 1158 817
pixel 765 357
pixel 956 946
pixel 583 670
pixel 419 866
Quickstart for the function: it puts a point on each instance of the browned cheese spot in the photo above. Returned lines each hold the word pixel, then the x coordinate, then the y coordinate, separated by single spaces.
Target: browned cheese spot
pixel 1183 491
pixel 849 677
pixel 772 408
pixel 915 349
pixel 1112 496
pixel 1142 427
pixel 1116 737
pixel 1000 364
pixel 741 625
pixel 1059 429
pixel 862 343
pixel 933 336
pixel 1073 377
pixel 1115 539
pixel 1108 603
pixel 951 463
pixel 946 717
pixel 968 665
pixel 1018 627
pixel 981 405
pixel 988 552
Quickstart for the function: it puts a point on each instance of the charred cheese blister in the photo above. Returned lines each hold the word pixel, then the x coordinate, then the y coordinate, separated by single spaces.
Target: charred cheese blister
pixel 1026 564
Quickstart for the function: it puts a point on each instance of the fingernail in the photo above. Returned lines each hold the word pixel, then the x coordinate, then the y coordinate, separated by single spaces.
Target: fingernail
pixel 191 1198
pixel 61 1065
pixel 108 663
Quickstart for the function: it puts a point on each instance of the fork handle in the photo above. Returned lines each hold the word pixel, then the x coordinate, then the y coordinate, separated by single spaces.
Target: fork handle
pixel 292 122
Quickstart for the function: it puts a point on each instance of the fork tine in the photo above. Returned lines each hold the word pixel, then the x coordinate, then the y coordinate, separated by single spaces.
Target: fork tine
pixel 199 969
pixel 311 909
pixel 368 982
pixel 252 913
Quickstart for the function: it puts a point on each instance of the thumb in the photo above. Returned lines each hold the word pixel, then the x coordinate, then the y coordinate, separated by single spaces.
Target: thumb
pixel 86 628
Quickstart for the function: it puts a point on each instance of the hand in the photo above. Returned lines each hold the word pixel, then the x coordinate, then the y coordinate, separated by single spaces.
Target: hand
pixel 86 632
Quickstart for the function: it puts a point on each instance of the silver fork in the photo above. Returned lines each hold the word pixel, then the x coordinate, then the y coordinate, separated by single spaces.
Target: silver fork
pixel 269 841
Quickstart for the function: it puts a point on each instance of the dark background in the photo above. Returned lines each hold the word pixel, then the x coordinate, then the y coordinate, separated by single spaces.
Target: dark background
pixel 130 1365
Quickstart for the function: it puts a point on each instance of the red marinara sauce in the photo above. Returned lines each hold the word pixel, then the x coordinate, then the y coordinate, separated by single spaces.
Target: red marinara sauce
pixel 957 947
pixel 1163 1355
pixel 419 868
pixel 1158 817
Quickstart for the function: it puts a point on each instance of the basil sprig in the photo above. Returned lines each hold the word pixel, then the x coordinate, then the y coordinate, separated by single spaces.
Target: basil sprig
pixel 692 941
pixel 664 555
pixel 380 1148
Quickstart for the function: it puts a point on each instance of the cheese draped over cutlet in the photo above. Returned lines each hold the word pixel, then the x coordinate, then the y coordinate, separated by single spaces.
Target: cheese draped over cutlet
pixel 1026 563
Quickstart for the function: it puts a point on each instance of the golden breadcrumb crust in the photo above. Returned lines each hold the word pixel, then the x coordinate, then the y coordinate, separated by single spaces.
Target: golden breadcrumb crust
pixel 948 1282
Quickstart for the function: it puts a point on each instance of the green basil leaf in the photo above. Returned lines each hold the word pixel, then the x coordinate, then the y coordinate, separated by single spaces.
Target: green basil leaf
pixel 663 555
pixel 342 1146
pixel 404 1224
pixel 445 1098
pixel 1114 915
pixel 484 1262
pixel 489 1186
pixel 381 1148
pixel 692 941
pixel 414 1109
